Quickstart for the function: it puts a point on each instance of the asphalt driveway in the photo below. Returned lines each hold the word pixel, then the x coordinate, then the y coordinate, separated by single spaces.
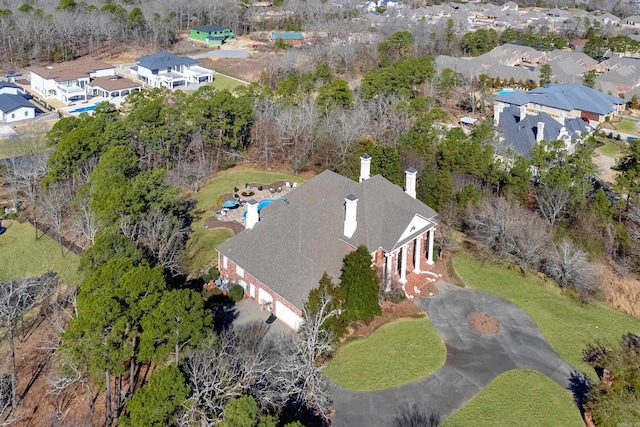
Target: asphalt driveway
pixel 473 361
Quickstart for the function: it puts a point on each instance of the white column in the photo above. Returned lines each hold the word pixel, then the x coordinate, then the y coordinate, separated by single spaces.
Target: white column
pixel 416 255
pixel 387 271
pixel 432 232
pixel 403 266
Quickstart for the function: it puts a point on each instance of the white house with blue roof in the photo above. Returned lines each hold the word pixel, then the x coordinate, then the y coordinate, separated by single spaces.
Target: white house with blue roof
pixel 14 108
pixel 563 102
pixel 170 71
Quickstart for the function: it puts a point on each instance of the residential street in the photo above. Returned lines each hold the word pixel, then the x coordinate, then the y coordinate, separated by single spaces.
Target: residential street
pixel 473 361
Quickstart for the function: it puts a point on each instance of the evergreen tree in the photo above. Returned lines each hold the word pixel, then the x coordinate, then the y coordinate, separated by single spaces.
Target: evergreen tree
pixel 155 403
pixel 359 286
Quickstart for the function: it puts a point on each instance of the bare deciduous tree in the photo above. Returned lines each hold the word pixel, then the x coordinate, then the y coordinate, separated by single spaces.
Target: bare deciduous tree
pixel 568 265
pixel 17 297
pixel 551 200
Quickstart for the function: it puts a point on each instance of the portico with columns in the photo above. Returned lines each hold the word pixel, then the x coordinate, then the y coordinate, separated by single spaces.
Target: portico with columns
pixel 412 253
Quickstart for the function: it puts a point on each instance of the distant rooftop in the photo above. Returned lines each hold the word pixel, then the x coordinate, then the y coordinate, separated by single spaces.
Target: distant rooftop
pixel 164 60
pixel 565 97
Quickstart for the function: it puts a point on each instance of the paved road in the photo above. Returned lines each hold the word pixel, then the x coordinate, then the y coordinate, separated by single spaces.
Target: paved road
pixel 223 53
pixel 473 361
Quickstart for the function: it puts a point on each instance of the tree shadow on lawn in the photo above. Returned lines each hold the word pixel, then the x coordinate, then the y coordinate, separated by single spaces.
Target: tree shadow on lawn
pixel 415 416
pixel 579 386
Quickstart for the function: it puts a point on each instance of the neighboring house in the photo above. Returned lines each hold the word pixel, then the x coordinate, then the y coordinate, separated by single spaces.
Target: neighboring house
pixel 212 35
pixel 112 86
pixel 14 108
pixel 286 248
pixel 67 82
pixel 632 20
pixel 289 37
pixel 521 131
pixel 170 71
pixel 10 88
pixel 563 102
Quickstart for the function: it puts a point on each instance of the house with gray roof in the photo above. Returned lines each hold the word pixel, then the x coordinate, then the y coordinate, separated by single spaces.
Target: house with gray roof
pixel 521 131
pixel 287 246
pixel 167 70
pixel 564 102
pixel 14 108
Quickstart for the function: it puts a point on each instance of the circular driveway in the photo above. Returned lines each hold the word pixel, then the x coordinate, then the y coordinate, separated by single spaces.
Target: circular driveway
pixel 473 361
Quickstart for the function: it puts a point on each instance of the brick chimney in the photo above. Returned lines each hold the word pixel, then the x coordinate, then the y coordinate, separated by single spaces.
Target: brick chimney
pixel 350 213
pixel 252 214
pixel 365 167
pixel 540 132
pixel 410 182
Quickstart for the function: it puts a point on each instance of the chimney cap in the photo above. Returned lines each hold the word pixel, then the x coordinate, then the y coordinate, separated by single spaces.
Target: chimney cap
pixel 351 197
pixel 411 170
pixel 365 156
pixel 252 202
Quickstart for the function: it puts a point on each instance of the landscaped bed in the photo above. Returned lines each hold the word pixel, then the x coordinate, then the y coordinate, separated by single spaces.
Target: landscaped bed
pixel 519 398
pixel 566 324
pixel 398 353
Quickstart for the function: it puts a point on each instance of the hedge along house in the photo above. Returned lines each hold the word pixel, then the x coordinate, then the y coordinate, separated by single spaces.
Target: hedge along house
pixel 286 247
pixel 212 35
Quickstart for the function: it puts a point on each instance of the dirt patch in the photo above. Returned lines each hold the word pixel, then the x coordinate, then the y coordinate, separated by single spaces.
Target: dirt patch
pixel 484 323
pixel 213 222
pixel 390 311
pixel 247 69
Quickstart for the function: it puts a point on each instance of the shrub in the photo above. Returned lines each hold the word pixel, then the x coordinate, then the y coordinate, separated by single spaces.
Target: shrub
pixel 236 293
pixel 206 278
pixel 396 296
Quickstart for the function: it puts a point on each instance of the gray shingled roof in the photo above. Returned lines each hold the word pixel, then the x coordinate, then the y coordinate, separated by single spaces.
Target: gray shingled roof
pixel 296 241
pixel 9 102
pixel 161 60
pixel 565 97
pixel 521 135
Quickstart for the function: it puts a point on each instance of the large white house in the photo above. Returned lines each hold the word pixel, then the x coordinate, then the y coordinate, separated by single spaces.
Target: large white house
pixel 286 248
pixel 67 82
pixel 170 71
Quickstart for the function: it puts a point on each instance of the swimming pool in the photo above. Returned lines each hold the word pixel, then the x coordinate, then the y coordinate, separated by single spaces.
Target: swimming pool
pixel 84 109
pixel 505 91
pixel 262 204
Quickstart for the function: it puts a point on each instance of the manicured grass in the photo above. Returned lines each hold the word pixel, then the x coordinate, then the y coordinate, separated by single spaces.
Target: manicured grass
pixel 611 148
pixel 21 255
pixel 626 126
pixel 567 325
pixel 201 252
pixel 222 82
pixel 398 353
pixel 21 146
pixel 201 248
pixel 519 398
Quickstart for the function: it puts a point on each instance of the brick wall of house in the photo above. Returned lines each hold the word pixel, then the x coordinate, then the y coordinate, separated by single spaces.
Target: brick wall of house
pixel 230 273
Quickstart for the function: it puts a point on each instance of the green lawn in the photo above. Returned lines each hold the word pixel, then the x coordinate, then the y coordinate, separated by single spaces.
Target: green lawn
pixel 611 148
pixel 626 126
pixel 21 146
pixel 398 353
pixel 201 252
pixel 21 255
pixel 222 82
pixel 519 398
pixel 567 325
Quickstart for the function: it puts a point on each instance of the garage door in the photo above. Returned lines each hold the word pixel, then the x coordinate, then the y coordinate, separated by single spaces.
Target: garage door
pixel 287 315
